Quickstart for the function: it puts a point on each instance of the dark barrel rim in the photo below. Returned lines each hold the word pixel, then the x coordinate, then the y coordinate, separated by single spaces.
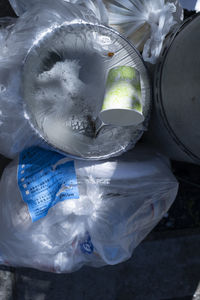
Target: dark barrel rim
pixel 157 87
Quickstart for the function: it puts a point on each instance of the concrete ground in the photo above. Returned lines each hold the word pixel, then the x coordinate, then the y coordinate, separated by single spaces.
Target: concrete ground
pixel 163 267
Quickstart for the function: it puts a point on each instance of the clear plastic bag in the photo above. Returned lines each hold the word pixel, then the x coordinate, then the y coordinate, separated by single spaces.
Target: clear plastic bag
pixel 145 23
pixel 118 202
pixel 5 26
pixel 96 6
pixel 25 57
pixel 13 127
pixel 16 40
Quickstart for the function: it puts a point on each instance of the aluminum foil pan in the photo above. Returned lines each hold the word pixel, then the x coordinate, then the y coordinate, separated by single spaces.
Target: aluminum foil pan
pixel 96 49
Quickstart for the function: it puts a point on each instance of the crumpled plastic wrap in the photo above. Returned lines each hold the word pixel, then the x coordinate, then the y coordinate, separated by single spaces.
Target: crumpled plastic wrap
pixel 16 127
pixel 120 201
pixel 96 6
pixel 145 23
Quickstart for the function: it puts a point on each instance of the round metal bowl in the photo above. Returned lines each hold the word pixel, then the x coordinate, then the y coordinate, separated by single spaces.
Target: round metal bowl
pixel 75 41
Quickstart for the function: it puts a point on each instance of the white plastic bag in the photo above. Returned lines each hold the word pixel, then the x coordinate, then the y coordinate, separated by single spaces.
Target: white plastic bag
pixel 145 23
pixel 58 215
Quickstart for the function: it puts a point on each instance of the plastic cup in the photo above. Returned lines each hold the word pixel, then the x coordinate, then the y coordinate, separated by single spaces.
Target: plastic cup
pixel 122 105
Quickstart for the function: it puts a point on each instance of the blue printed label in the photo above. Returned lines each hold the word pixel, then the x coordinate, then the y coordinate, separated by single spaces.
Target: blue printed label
pixel 87 246
pixel 45 178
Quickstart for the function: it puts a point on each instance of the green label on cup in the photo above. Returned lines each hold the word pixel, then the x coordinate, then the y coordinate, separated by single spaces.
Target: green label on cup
pixel 121 73
pixel 122 94
pixel 123 89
